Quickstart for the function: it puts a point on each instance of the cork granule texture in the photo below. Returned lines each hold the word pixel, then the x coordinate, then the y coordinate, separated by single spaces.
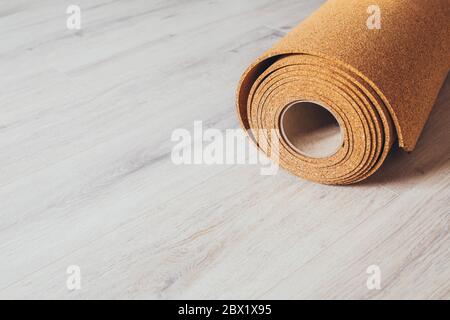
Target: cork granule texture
pixel 380 84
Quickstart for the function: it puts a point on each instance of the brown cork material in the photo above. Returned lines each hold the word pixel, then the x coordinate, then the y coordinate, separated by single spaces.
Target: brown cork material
pixel 379 84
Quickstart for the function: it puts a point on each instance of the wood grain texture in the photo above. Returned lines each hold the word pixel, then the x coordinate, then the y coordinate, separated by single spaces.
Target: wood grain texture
pixel 86 177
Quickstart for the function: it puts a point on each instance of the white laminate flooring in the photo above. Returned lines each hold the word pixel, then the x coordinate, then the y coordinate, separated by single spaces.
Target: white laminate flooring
pixel 86 177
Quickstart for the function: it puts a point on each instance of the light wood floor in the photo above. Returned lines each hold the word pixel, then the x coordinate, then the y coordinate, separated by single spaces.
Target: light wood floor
pixel 86 176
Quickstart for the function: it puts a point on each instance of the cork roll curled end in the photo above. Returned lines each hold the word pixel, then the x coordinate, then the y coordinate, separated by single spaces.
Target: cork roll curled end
pixel 335 108
pixel 362 119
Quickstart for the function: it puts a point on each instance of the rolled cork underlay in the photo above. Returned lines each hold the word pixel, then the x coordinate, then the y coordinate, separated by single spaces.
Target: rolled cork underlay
pixel 339 94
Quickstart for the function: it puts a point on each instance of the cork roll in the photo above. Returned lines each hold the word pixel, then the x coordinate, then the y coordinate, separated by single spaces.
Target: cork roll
pixel 352 89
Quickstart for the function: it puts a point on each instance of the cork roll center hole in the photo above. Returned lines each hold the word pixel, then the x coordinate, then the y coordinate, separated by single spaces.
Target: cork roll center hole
pixel 311 129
